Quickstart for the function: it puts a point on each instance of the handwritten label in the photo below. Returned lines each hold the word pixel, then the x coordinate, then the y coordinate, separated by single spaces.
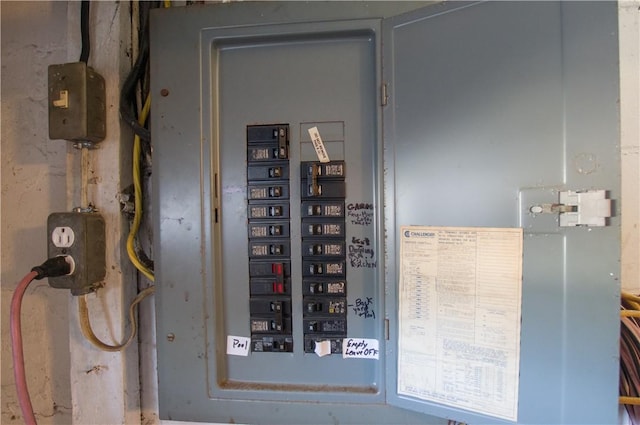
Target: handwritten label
pixel 361 308
pixel 360 348
pixel 361 253
pixel 323 348
pixel 318 145
pixel 360 214
pixel 238 345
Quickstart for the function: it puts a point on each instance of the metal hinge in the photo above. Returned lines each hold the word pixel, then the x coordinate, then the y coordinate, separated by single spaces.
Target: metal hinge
pixel 588 208
pixel 384 96
pixel 386 329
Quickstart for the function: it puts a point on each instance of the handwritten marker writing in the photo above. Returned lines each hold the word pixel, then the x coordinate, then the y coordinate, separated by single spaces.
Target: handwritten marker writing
pixel 238 345
pixel 360 348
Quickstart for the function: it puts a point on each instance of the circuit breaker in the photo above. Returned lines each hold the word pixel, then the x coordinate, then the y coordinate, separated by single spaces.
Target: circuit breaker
pixel 342 191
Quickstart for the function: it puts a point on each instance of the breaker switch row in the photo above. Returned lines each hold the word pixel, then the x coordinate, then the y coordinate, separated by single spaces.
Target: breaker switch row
pixel 269 229
pixel 324 280
pixel 323 228
pixel 310 342
pixel 325 306
pixel 324 287
pixel 270 286
pixel 268 210
pixel 321 248
pixel 323 209
pixel 269 344
pixel 324 268
pixel 269 240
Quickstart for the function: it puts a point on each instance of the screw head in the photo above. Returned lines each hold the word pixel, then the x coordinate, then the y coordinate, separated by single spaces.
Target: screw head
pixel 171 337
pixel 164 92
pixel 536 209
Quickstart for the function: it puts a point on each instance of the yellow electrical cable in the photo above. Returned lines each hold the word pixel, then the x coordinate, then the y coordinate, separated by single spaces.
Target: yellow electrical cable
pixel 85 323
pixel 137 188
pixel 628 296
pixel 83 310
pixel 629 400
pixel 634 302
pixel 629 313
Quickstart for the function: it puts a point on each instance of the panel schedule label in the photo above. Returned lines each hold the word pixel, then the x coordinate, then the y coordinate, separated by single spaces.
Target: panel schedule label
pixel 459 321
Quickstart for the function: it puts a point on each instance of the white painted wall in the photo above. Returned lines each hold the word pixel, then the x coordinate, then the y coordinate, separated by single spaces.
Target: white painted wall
pixel 39 176
pixel 33 184
pixel 629 30
pixel 70 381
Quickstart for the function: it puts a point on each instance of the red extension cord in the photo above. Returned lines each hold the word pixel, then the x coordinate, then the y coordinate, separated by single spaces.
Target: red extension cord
pixel 16 350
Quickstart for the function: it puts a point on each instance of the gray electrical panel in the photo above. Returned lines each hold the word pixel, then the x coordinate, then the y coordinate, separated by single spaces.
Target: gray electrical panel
pixel 291 143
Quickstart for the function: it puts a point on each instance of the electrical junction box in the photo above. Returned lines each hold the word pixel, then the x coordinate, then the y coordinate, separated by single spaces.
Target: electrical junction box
pixel 344 202
pixel 77 109
pixel 81 236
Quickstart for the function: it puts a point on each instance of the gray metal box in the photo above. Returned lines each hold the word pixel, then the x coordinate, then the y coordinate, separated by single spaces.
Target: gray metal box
pixel 457 114
pixel 85 242
pixel 77 110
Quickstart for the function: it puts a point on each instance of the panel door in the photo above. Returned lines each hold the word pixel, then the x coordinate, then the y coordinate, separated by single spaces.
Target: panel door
pixel 493 108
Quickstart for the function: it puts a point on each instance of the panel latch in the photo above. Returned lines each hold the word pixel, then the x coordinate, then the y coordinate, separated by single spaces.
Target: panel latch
pixel 588 208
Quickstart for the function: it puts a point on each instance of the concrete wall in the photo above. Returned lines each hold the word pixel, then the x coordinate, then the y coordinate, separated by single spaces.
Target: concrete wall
pixel 69 380
pixel 34 183
pixel 40 176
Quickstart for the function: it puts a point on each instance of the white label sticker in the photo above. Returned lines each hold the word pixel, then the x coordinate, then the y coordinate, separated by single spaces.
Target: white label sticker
pixel 238 345
pixel 318 145
pixel 323 348
pixel 360 348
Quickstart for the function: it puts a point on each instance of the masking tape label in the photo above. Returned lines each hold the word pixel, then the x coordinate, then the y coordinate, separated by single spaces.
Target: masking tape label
pixel 318 145
pixel 323 348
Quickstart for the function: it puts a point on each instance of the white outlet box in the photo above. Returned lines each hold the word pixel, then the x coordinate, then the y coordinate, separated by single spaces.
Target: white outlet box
pixel 62 237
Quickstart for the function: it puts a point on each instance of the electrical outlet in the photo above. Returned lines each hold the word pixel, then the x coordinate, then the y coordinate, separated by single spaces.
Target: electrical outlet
pixel 81 236
pixel 77 106
pixel 63 237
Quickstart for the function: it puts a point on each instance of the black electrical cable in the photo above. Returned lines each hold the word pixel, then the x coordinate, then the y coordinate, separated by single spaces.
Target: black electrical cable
pixel 144 258
pixel 135 88
pixel 128 91
pixel 84 31
pixel 143 36
pixel 127 96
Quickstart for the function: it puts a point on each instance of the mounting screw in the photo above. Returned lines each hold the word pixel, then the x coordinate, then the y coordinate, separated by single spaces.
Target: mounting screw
pixel 164 92
pixel 171 337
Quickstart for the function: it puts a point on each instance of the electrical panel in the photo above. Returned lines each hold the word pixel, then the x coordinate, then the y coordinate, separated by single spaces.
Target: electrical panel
pixel 304 146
